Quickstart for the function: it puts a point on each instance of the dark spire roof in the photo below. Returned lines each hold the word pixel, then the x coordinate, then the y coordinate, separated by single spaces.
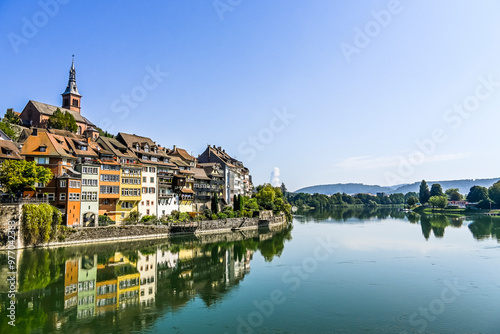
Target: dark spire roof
pixel 71 88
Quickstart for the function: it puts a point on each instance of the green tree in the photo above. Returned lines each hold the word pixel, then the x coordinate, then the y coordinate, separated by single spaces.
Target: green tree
pixel 11 117
pixel 454 194
pixel 485 204
pixel 424 193
pixel 477 194
pixel 16 175
pixel 438 201
pixel 235 202
pixel 6 127
pixel 436 190
pixel 133 217
pixel 240 203
pixel 412 201
pixel 215 203
pixel 494 192
pixel 62 121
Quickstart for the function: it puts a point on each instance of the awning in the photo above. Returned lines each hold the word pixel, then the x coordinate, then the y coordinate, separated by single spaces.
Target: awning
pixel 187 191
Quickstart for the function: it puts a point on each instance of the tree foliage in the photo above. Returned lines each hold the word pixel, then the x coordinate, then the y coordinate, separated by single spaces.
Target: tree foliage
pixel 271 198
pixel 16 175
pixel 438 201
pixel 477 194
pixel 412 201
pixel 436 190
pixel 215 203
pixel 62 121
pixel 11 117
pixel 8 130
pixel 40 223
pixel 454 194
pixel 494 193
pixel 424 193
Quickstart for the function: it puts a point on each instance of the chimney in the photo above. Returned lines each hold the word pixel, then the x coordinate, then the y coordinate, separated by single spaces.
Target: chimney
pixel 34 133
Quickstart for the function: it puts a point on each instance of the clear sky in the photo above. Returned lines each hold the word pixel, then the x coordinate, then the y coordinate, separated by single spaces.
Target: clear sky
pixel 379 92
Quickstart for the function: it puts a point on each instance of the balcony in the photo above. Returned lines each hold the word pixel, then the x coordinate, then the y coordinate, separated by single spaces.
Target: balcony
pixel 165 195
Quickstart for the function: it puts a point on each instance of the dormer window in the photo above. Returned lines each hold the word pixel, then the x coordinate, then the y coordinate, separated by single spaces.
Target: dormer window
pixel 137 147
pixel 43 148
pixel 146 148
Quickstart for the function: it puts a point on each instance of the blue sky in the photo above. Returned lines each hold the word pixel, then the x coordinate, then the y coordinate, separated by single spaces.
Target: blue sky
pixel 379 92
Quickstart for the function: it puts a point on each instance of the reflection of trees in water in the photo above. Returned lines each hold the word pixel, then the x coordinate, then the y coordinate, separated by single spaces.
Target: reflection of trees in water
pixel 485 227
pixel 482 227
pixel 348 213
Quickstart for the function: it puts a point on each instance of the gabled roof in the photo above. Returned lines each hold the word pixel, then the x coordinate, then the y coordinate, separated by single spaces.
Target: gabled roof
pixel 9 150
pixel 56 146
pixel 200 174
pixel 182 153
pixel 117 148
pixel 48 110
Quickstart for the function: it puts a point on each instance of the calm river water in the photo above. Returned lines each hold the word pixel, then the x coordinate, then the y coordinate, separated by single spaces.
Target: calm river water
pixel 344 271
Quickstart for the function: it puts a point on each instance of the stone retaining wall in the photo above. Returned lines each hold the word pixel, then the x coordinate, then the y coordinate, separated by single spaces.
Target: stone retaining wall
pixel 10 226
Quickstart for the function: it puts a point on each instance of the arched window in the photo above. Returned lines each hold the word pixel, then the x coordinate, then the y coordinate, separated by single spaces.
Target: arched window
pixel 79 131
pixel 75 103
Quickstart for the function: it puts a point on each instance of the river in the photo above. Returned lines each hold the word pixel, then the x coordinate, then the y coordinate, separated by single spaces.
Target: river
pixel 342 271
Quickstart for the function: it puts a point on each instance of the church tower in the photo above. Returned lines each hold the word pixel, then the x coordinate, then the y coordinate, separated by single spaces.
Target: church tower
pixel 71 97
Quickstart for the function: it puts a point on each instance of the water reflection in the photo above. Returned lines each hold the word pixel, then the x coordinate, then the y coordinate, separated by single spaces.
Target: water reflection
pixel 126 286
pixel 482 227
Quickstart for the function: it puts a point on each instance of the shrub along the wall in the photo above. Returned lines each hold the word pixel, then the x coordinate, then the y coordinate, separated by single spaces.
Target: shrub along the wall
pixel 40 223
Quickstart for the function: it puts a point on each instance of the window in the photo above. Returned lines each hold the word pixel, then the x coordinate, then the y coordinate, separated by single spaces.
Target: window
pixel 127 205
pixel 147 203
pixel 144 179
pixel 151 190
pixel 62 183
pixel 152 170
pixel 62 196
pixel 110 167
pixel 144 190
pixel 105 202
pixel 110 178
pixel 43 148
pixel 110 190
pixel 147 212
pixel 152 179
pixel 89 182
pixel 42 160
pixel 74 196
pixel 51 196
pixel 75 103
pixel 74 184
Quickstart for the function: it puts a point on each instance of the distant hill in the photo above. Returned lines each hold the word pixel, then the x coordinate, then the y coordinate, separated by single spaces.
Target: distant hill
pixel 348 188
pixel 355 188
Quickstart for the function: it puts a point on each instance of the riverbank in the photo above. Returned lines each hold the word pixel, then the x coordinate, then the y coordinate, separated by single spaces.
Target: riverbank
pixel 130 233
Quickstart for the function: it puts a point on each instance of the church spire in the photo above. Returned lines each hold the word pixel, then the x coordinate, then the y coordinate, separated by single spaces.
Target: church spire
pixel 71 97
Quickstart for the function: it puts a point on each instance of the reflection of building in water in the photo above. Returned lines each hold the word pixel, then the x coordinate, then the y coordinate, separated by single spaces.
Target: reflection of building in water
pixel 236 268
pixel 70 284
pixel 146 264
pixel 117 284
pixel 87 274
pixel 106 289
pixel 128 282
